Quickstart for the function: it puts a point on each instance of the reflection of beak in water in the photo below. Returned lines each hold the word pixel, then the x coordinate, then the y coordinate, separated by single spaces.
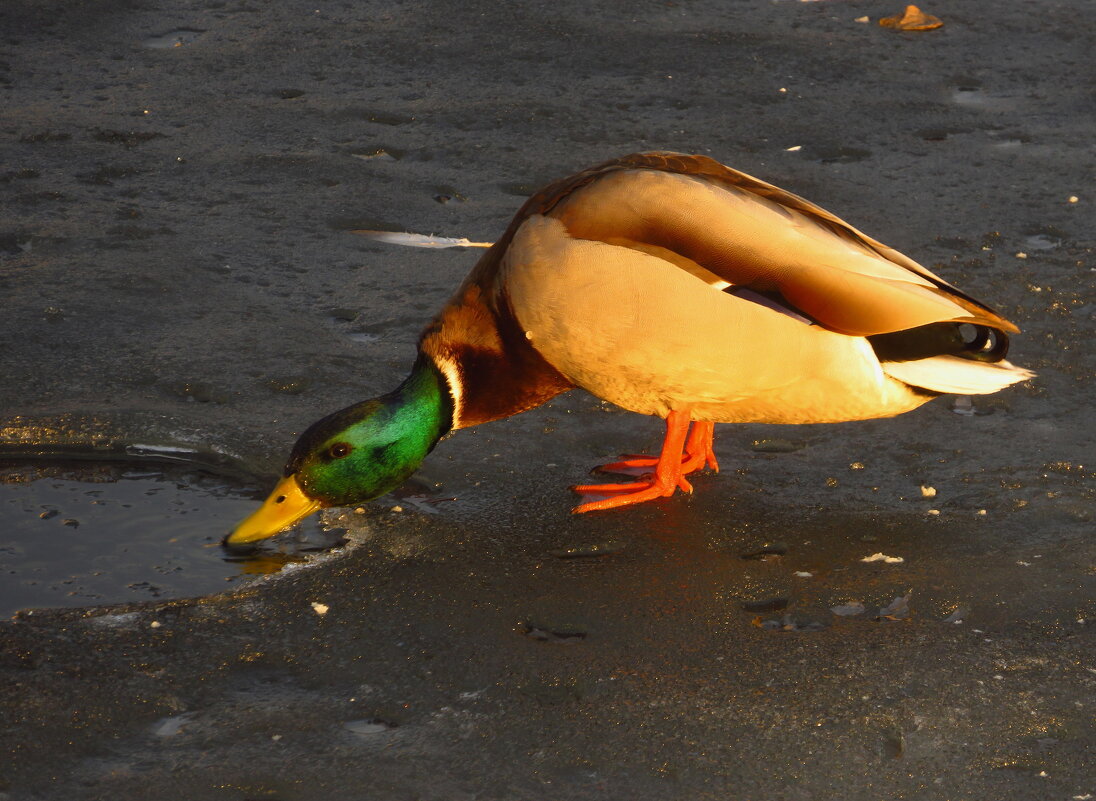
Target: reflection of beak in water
pixel 262 564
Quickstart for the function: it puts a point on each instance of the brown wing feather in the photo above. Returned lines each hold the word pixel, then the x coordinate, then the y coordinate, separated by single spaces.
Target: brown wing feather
pixel 710 168
pixel 867 288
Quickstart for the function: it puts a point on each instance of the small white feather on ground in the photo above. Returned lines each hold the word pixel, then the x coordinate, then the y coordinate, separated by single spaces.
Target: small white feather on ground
pixel 421 240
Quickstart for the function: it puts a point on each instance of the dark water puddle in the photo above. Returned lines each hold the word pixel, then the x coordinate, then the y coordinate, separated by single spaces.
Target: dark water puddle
pixel 80 533
pixel 557 635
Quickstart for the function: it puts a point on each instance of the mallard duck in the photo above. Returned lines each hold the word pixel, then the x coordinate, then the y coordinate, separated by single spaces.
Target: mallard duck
pixel 670 285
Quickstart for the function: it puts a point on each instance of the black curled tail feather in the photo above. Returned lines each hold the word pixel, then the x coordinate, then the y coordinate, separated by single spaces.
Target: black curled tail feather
pixel 987 344
pixel 973 341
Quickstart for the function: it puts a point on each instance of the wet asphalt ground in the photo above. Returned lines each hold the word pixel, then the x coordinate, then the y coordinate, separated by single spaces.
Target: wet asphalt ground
pixel 177 272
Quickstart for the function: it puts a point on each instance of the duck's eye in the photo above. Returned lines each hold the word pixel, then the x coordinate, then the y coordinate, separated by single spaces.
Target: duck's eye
pixel 339 450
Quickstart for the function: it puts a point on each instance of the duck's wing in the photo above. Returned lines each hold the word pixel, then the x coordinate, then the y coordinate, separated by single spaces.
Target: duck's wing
pixel 735 230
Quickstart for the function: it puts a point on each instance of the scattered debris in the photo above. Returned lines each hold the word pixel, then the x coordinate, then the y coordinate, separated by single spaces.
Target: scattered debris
pixel 862 19
pixel 778 445
pixel 848 610
pixel 958 615
pixel 803 574
pixel 423 503
pixel 169 727
pixel 786 623
pixel 320 609
pixel 928 492
pixel 898 609
pixel 178 37
pixel 882 557
pixel 767 552
pixel 914 19
pixel 559 636
pixel 590 550
pixel 963 405
pixel 115 621
pixel 377 154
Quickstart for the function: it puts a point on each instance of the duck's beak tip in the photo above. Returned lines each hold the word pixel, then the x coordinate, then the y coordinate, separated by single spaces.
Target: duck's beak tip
pixel 286 505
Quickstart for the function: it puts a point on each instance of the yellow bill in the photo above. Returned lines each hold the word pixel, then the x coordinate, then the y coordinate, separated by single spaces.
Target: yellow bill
pixel 286 505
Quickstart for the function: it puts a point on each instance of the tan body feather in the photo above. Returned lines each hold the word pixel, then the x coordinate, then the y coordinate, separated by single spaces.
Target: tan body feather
pixel 649 337
pixel 613 280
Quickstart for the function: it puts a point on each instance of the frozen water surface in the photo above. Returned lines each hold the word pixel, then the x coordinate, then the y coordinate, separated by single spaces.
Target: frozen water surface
pixel 180 182
pixel 82 533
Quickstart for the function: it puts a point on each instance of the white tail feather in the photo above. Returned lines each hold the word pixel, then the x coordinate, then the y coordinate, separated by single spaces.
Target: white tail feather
pixel 957 375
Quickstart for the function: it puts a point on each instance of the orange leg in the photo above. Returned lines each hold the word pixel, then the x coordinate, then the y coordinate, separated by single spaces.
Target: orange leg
pixel 670 467
pixel 698 448
pixel 698 452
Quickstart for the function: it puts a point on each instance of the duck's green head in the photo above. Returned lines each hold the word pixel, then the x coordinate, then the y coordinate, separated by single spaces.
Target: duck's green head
pixel 356 454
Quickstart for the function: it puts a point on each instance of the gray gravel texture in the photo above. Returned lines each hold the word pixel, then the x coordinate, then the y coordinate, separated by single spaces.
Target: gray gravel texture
pixel 176 269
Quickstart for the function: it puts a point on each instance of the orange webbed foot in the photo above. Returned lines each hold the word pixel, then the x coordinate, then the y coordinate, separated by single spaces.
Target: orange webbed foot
pixel 629 464
pixel 640 491
pixel 670 467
